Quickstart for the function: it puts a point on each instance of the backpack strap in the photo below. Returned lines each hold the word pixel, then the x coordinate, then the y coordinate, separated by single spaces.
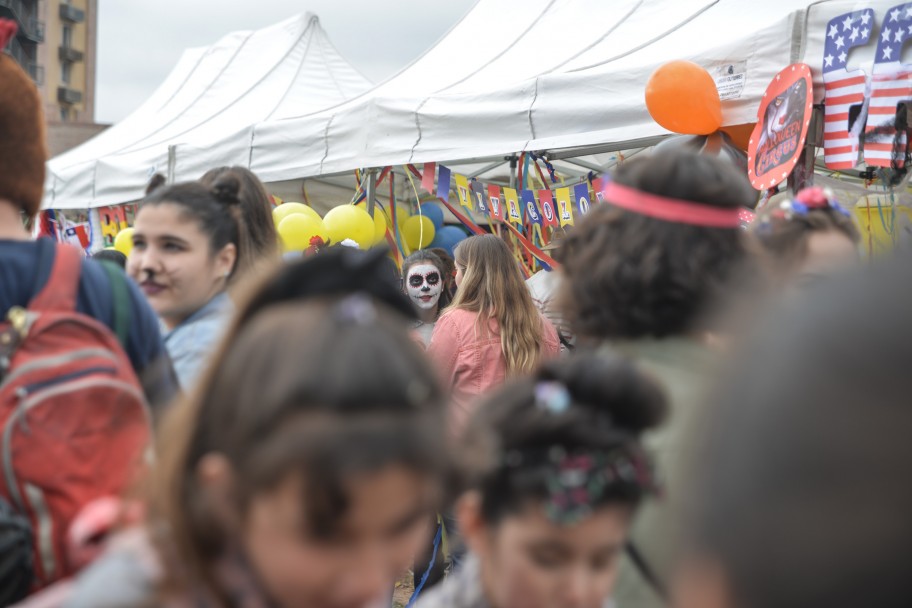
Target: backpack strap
pixel 121 295
pixel 62 287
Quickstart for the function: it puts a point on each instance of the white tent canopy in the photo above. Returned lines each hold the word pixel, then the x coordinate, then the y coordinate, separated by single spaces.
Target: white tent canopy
pixel 556 75
pixel 246 77
pixel 542 75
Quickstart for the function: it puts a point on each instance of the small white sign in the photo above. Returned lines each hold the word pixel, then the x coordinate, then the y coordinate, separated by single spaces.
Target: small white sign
pixel 730 79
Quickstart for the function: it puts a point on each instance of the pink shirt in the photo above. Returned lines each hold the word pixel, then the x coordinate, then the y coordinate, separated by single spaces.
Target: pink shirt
pixel 472 361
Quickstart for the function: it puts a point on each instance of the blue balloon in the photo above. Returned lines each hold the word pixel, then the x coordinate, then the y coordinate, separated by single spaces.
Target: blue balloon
pixel 433 213
pixel 448 237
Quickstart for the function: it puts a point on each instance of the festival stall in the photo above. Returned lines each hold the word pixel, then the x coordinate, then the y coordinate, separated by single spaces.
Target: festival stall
pixel 543 101
pixel 245 77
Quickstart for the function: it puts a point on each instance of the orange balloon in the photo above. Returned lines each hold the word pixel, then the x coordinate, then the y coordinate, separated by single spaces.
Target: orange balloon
pixel 740 134
pixel 682 97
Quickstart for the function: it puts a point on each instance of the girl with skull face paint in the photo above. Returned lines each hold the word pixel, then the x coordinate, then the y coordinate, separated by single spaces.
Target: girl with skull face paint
pixel 424 279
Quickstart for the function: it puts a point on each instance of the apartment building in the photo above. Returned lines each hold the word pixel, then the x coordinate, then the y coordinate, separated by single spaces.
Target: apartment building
pixel 56 46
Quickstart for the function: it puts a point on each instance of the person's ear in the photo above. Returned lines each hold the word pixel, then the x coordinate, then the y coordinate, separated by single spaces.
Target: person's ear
pixel 225 260
pixel 472 527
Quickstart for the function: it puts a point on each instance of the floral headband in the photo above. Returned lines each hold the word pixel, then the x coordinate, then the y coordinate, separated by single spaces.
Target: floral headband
pixel 809 199
pixel 576 480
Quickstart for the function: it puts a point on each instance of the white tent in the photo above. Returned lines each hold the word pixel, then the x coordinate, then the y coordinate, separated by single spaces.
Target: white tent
pixel 565 76
pixel 246 77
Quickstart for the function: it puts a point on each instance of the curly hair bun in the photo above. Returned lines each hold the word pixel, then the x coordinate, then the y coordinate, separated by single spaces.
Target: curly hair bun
pixel 610 385
pixel 226 189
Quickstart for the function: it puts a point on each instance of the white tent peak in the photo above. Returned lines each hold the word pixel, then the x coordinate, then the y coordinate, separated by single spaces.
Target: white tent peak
pixel 246 77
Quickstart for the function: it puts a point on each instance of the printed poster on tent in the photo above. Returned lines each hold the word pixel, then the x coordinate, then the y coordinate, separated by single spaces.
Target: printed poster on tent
pixel 782 126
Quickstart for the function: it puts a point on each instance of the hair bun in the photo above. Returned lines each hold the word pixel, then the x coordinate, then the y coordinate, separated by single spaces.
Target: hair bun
pixel 610 385
pixel 226 189
pixel 158 180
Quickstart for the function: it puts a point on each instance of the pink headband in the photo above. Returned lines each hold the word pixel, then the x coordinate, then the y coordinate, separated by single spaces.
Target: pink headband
pixel 671 209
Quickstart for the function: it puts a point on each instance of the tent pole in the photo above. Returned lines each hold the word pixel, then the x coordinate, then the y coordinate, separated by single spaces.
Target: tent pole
pixel 513 162
pixel 172 161
pixel 371 190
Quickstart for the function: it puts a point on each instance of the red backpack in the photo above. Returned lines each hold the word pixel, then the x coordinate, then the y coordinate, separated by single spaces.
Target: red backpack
pixel 74 423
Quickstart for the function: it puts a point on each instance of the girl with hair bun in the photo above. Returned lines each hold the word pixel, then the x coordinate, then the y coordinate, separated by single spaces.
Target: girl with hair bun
pixel 808 236
pixel 554 473
pixel 186 246
pixel 304 467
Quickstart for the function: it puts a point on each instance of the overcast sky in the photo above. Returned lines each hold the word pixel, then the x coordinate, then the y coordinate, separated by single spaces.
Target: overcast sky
pixel 139 41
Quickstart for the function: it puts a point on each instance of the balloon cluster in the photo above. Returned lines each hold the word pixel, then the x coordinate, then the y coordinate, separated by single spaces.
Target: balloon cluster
pixel 298 225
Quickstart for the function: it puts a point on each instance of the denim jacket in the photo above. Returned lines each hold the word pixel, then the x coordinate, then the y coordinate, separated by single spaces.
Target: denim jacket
pixel 191 343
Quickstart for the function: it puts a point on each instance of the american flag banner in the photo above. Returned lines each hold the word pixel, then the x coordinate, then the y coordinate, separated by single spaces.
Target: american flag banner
pixel 890 85
pixel 844 89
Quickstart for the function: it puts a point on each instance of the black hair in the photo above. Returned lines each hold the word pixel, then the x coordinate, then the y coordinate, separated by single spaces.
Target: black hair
pixel 630 275
pixel 802 494
pixel 215 209
pixel 261 240
pixel 111 255
pixel 611 403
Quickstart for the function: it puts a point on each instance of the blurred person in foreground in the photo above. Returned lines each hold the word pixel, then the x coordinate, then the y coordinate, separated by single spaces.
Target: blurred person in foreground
pixel 554 471
pixel 642 274
pixel 802 496
pixel 26 264
pixel 808 237
pixel 281 481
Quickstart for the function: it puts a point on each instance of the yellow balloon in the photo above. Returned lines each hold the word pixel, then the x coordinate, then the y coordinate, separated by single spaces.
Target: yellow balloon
pixel 402 214
pixel 286 209
pixel 381 223
pixel 298 229
pixel 123 242
pixel 418 232
pixel 350 222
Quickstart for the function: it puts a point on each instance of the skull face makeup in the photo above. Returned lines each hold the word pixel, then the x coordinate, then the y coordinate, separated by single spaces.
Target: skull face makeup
pixel 424 285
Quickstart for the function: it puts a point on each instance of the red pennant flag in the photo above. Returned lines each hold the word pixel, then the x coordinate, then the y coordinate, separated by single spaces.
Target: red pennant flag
pixel 495 202
pixel 427 179
pixel 546 198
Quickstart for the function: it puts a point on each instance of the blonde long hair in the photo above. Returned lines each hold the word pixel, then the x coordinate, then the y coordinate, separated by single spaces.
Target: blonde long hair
pixel 492 286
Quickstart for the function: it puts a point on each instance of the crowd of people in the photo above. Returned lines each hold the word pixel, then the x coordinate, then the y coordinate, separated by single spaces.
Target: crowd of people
pixel 682 413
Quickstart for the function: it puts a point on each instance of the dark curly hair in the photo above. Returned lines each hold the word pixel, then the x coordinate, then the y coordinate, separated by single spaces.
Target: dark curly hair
pixel 612 403
pixel 630 276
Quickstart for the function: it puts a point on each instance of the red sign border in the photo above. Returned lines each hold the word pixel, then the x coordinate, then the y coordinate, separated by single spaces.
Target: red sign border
pixel 783 80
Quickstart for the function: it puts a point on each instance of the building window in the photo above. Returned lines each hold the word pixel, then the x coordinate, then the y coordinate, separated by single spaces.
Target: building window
pixel 67 36
pixel 66 69
pixel 64 114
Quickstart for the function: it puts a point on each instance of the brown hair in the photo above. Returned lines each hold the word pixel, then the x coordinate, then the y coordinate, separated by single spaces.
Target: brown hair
pixel 492 286
pixel 611 403
pixel 786 239
pixel 629 275
pixel 280 399
pixel 261 240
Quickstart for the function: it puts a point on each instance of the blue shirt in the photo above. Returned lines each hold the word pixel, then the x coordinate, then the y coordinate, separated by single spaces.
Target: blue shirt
pixel 25 267
pixel 191 343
